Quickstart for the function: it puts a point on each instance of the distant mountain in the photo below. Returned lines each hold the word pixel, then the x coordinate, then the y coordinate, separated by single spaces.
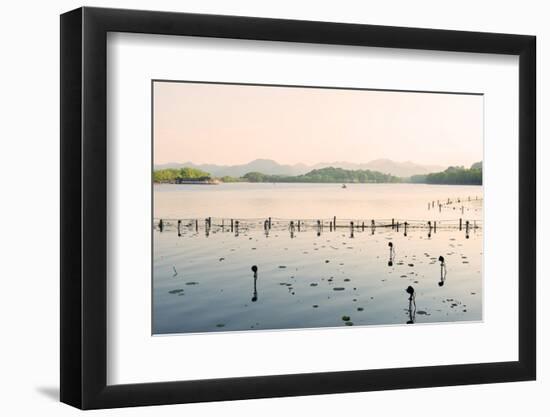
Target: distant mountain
pixel 270 167
pixel 266 166
pixel 402 169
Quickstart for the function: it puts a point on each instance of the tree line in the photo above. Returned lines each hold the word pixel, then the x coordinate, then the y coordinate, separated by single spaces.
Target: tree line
pixel 326 175
pixel 171 175
pixel 452 175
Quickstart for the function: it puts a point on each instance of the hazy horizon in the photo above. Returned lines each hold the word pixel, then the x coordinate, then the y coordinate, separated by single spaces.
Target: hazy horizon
pixel 467 165
pixel 225 124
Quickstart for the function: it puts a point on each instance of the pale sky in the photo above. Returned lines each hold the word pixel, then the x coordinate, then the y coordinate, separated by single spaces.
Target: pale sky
pixel 235 124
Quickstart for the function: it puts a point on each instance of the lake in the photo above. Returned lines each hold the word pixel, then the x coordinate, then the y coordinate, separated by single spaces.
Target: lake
pixel 312 275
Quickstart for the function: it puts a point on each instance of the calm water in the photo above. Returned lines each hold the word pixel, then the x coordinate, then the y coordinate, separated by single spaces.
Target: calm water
pixel 203 280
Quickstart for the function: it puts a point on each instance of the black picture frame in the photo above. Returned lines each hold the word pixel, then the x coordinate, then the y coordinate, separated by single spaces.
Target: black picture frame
pixel 84 207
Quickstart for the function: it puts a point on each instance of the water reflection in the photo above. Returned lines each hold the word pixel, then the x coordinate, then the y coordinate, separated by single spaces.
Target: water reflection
pixel 443 273
pixel 361 278
pixel 412 305
pixel 392 254
pixel 255 291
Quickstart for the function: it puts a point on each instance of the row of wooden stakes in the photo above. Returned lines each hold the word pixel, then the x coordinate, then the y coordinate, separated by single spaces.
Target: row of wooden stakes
pixel 298 225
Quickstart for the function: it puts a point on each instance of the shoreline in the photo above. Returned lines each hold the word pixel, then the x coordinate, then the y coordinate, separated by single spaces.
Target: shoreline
pixel 297 182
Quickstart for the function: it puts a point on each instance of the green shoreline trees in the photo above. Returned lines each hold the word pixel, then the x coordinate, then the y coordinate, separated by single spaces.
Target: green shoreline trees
pixel 451 176
pixel 326 175
pixel 172 175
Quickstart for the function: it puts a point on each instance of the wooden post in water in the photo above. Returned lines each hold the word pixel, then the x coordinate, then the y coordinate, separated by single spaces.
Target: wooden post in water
pixel 196 225
pixel 299 225
pixel 334 222
pixel 460 224
pixel 179 228
pixel 435 226
pixel 269 224
pixel 392 223
pixel 405 224
pixel 330 225
pixel 363 226
pixel 231 224
pixel 397 226
pixel 161 225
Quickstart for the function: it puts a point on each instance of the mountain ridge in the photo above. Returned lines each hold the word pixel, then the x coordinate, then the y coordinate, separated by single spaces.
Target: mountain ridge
pixel 271 167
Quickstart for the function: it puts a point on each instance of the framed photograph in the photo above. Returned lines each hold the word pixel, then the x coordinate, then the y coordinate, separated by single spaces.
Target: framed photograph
pixel 257 208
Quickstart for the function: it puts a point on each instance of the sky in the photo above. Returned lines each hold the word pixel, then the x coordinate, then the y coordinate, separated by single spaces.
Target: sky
pixel 235 124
